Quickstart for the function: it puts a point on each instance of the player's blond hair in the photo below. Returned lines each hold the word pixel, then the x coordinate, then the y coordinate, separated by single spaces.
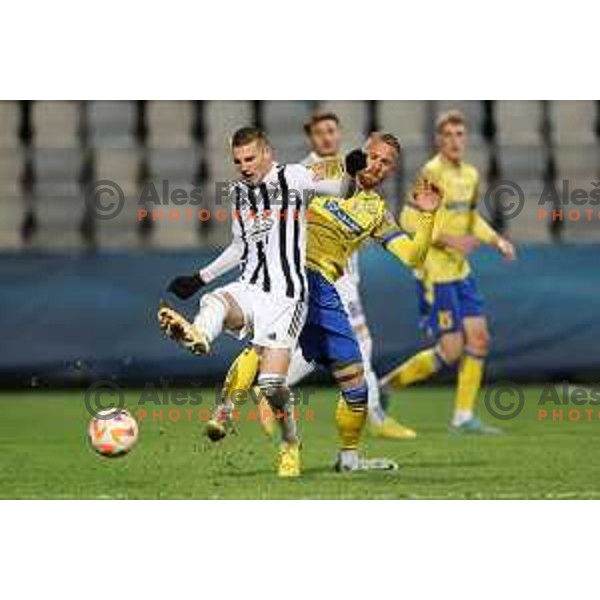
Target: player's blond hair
pixel 387 138
pixel 449 117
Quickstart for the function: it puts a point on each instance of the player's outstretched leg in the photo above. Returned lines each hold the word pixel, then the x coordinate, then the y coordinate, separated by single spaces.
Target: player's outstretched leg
pixel 215 309
pixel 419 367
pixel 178 328
pixel 381 424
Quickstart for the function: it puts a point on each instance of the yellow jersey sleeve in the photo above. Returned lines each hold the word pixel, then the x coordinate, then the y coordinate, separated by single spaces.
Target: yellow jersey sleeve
pixel 483 231
pixel 409 249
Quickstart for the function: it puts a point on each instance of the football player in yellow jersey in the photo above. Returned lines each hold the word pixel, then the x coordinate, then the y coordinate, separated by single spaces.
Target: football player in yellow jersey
pixel 337 227
pixel 450 304
pixel 325 160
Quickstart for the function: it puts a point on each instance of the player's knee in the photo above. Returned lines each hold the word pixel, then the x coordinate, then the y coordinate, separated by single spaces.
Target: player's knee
pixel 214 300
pixel 478 343
pixel 450 349
pixel 273 387
pixel 233 317
pixel 349 375
pixel 353 385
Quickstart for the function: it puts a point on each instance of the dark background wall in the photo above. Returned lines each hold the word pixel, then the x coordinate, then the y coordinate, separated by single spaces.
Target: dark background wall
pixel 68 318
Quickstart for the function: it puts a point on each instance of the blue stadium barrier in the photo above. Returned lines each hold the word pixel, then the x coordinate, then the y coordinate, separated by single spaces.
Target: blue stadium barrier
pixel 68 318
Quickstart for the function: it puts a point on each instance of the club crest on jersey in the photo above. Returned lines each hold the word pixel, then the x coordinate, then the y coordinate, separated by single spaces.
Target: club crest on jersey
pixel 261 227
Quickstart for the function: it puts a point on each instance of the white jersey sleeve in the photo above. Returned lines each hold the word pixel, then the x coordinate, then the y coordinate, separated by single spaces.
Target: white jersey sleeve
pixel 229 259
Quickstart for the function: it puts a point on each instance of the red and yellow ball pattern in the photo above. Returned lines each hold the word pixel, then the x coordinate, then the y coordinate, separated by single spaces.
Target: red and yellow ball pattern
pixel 113 435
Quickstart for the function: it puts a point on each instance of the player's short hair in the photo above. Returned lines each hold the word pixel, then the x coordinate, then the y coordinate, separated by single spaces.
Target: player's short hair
pixel 450 117
pixel 387 138
pixel 318 118
pixel 246 135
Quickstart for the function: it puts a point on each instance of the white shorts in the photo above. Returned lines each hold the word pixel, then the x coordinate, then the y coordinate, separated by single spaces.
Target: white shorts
pixel 270 320
pixel 347 287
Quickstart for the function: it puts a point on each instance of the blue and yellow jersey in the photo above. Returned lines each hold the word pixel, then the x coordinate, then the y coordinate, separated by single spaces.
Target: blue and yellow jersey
pixel 457 215
pixel 338 227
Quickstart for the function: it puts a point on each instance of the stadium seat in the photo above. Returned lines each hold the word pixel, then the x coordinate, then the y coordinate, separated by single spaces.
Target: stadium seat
pixel 12 210
pixel 112 123
pixel 59 219
pixel 519 163
pixel 527 226
pixel 284 122
pixel 353 119
pixel 170 124
pixel 578 161
pixel 518 122
pixel 409 120
pixel 471 109
pixel 579 226
pixel 179 164
pixel 56 124
pixel 9 124
pixel 393 193
pixel 573 121
pixel 478 155
pixel 11 169
pixel 123 230
pixel 413 159
pixel 119 165
pixel 57 171
pixel 221 119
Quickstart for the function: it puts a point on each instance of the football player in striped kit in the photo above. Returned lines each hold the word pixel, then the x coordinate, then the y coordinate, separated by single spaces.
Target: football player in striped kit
pixel 337 228
pixel 268 303
pixel 326 161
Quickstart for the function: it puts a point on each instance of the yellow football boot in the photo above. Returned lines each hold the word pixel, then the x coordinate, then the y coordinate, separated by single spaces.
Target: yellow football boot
pixel 289 460
pixel 390 429
pixel 179 329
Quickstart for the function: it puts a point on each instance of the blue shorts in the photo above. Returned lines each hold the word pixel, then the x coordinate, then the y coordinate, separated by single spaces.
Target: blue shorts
pixel 327 338
pixel 443 306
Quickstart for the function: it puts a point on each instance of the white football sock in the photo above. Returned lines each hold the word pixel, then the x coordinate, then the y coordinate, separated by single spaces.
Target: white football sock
pixel 349 459
pixel 299 368
pixel 461 416
pixel 376 412
pixel 211 316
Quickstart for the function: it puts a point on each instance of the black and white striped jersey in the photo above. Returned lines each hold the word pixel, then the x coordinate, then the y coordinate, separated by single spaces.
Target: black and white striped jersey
pixel 270 221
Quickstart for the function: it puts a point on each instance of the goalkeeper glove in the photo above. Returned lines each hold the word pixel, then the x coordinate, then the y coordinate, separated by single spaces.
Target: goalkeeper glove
pixel 186 286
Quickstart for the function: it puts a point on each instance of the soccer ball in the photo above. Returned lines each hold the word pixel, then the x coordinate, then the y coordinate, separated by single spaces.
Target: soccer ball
pixel 115 435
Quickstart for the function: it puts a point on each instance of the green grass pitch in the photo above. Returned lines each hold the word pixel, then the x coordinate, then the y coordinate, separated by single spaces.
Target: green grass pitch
pixel 44 454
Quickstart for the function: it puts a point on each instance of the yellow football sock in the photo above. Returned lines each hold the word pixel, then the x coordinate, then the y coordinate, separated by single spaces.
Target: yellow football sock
pixel 419 367
pixel 470 374
pixel 350 423
pixel 241 374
